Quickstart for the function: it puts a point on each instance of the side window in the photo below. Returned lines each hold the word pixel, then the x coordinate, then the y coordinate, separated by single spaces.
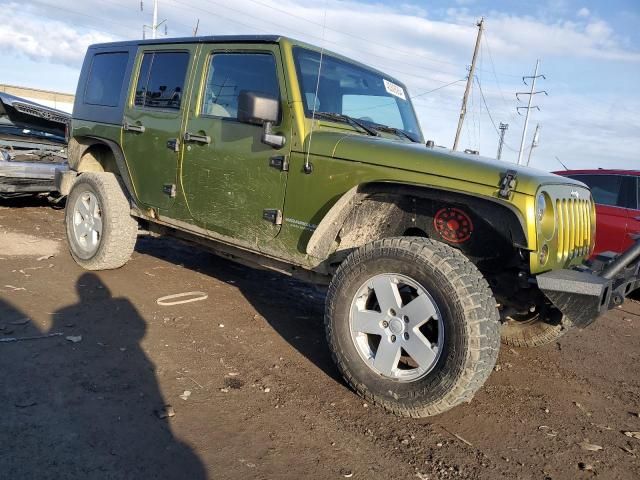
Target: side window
pixel 628 192
pixel 106 77
pixel 638 193
pixel 231 73
pixel 606 189
pixel 161 80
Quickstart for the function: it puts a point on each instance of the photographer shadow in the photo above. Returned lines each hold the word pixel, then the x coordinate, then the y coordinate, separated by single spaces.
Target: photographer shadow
pixel 79 408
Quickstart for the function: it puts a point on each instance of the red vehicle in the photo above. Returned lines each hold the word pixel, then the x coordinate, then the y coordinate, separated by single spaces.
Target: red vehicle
pixel 617 197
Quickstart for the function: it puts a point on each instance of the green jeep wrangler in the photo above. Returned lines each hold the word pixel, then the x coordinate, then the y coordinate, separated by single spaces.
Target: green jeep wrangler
pixel 279 154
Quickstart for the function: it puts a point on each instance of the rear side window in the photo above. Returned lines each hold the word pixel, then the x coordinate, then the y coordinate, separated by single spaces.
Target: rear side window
pixel 612 190
pixel 105 79
pixel 231 73
pixel 161 80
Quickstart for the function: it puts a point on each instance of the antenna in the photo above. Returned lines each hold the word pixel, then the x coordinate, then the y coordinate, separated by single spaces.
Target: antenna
pixel 560 162
pixel 308 168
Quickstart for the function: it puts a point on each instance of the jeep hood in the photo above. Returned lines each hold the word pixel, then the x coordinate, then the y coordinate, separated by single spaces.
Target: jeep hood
pixel 433 161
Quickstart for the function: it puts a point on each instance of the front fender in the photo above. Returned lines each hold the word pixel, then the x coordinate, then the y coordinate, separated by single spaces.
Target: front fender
pixel 323 239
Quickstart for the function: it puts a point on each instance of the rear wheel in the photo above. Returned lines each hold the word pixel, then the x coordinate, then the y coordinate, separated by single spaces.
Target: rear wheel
pixel 100 229
pixel 535 329
pixel 412 325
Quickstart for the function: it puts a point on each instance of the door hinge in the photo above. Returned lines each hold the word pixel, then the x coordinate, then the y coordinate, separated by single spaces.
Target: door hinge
pixel 169 189
pixel 173 144
pixel 273 216
pixel 281 162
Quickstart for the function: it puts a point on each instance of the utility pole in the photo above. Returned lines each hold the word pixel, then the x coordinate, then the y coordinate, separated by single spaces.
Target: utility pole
pixel 154 26
pixel 529 106
pixel 503 129
pixel 534 142
pixel 472 71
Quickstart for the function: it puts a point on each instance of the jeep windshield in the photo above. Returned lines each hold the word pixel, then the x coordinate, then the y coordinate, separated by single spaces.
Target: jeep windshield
pixel 349 90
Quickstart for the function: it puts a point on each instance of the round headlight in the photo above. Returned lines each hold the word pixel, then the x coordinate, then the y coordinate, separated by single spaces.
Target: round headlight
pixel 545 215
pixel 541 207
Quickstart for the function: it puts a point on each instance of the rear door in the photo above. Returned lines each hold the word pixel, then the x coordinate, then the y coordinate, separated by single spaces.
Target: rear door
pixel 235 184
pixel 153 121
pixel 611 214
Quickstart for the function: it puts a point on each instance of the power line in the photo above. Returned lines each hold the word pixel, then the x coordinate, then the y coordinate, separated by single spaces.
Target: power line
pixel 75 12
pixel 357 37
pixel 307 34
pixel 484 100
pixel 512 116
pixel 369 41
pixel 413 97
pixel 436 89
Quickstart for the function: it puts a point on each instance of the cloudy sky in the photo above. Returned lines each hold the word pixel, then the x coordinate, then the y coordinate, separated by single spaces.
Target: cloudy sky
pixel 590 54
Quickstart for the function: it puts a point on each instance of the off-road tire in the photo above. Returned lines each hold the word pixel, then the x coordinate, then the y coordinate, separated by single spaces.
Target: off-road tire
pixel 538 331
pixel 468 308
pixel 119 228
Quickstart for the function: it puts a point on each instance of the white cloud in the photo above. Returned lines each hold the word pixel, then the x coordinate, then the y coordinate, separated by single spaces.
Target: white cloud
pixel 516 35
pixel 583 12
pixel 42 39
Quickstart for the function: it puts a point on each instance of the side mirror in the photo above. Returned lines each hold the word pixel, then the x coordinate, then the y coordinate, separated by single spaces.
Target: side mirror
pixel 259 109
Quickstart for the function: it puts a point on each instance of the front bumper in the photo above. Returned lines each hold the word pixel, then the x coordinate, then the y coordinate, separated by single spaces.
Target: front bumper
pixel 588 291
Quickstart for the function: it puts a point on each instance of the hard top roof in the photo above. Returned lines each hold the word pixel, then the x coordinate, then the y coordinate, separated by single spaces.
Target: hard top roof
pixel 238 39
pixel 204 39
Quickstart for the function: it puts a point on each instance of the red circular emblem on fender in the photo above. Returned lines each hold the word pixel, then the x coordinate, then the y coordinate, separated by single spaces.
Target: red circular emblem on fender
pixel 453 225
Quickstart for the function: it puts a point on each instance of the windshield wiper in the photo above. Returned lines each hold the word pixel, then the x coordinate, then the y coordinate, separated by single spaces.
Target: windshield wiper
pixel 397 131
pixel 347 119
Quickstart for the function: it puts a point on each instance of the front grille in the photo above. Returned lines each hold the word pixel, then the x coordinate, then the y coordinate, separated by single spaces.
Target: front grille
pixel 574 228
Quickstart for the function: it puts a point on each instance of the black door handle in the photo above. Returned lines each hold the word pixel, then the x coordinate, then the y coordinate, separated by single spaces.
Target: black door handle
pixel 133 128
pixel 192 137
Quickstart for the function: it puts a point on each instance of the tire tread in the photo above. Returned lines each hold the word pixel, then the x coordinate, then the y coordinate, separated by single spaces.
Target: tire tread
pixel 120 229
pixel 480 311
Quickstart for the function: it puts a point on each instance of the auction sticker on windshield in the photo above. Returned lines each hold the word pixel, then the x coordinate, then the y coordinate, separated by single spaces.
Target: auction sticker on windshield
pixel 393 89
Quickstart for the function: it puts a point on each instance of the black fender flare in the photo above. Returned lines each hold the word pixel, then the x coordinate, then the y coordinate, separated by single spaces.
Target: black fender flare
pixel 85 143
pixel 322 239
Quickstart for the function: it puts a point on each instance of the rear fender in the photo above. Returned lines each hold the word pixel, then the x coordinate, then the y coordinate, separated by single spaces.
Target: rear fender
pixel 81 159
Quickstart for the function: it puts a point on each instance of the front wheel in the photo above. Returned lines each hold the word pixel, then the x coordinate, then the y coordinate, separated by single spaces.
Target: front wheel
pixel 534 329
pixel 412 325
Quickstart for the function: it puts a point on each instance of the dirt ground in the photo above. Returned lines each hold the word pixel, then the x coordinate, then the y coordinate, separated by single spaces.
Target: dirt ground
pixel 265 401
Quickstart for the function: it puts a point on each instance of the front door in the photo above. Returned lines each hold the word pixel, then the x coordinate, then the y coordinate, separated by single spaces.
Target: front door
pixel 234 184
pixel 153 121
